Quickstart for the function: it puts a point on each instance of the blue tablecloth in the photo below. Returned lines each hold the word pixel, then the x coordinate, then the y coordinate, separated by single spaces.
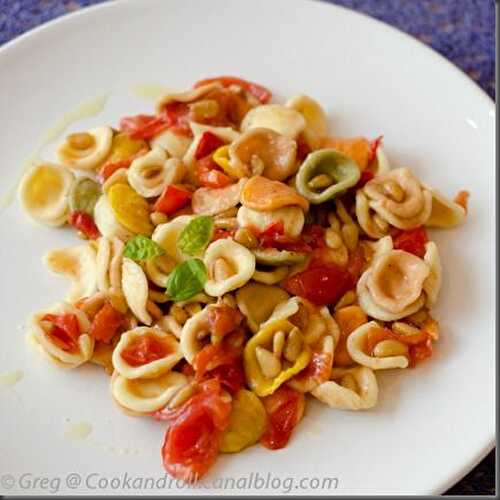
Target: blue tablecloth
pixel 461 30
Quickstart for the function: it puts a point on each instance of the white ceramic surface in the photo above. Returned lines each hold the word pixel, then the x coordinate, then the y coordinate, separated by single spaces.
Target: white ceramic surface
pixel 432 424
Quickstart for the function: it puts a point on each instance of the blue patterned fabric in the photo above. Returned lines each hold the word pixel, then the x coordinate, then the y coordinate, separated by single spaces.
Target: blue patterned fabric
pixel 461 30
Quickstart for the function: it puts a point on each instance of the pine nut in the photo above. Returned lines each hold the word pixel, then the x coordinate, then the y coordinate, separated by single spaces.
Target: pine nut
pixel 230 212
pixel 278 343
pixel 154 310
pixel 339 256
pixel 349 382
pixel 158 297
pixel 206 108
pixel 245 237
pixel 320 181
pixel 270 365
pixel 158 218
pixel 346 300
pixel 80 140
pixel 342 213
pixel 221 270
pixel 404 329
pixel 390 347
pixel 165 263
pixel 350 235
pixel 419 317
pixel 380 223
pixel 333 221
pixel 178 314
pixel 394 191
pixel 293 345
pixel 333 239
pixel 170 325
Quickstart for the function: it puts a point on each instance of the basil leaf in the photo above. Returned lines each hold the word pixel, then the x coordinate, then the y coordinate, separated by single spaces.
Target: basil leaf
pixel 83 195
pixel 196 235
pixel 142 248
pixel 186 280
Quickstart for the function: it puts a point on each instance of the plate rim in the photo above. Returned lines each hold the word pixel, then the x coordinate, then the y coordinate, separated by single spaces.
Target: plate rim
pixel 37 31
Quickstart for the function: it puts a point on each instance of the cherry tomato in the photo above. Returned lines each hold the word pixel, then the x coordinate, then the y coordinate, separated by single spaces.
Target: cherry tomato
pixel 420 352
pixel 258 91
pixel 208 174
pixel 274 236
pixel 231 377
pixel 144 350
pixel 319 368
pixel 374 145
pixel 106 323
pixel 220 233
pixel 65 330
pixel 208 144
pixel 284 409
pixel 212 356
pixel 314 235
pixel 84 222
pixel 412 241
pixel 142 126
pixel 322 285
pixel 223 319
pixel 176 116
pixel 192 441
pixel 108 169
pixel 366 176
pixel 172 199
pixel 462 199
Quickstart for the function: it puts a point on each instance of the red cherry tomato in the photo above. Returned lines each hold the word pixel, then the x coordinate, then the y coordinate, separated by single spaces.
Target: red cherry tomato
pixel 314 235
pixel 172 199
pixel 420 352
pixel 208 174
pixel 208 144
pixel 220 233
pixel 366 176
pixel 176 117
pixel 322 285
pixel 144 350
pixel 223 319
pixel 258 91
pixel 212 356
pixel 319 368
pixel 142 127
pixel 412 241
pixel 284 409
pixel 273 236
pixel 65 330
pixel 374 145
pixel 84 222
pixel 108 169
pixel 106 323
pixel 191 442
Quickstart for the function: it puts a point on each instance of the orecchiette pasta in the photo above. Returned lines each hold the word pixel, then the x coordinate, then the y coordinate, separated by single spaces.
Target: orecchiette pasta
pixel 356 343
pixel 187 96
pixel 195 328
pixel 117 177
pixel 316 122
pixel 135 289
pixel 285 121
pixel 167 353
pixel 263 151
pixel 271 277
pixel 292 218
pixel 139 397
pixel 109 263
pixel 392 287
pixel 39 331
pixel 149 174
pixel 209 201
pixel 43 193
pixel 432 284
pixel 399 198
pixel 79 265
pixel 349 389
pixel 175 145
pixel 229 265
pixel 444 213
pixel 86 150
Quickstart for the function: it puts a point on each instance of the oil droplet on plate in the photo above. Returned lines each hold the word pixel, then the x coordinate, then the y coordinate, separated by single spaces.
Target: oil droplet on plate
pixel 77 430
pixel 9 379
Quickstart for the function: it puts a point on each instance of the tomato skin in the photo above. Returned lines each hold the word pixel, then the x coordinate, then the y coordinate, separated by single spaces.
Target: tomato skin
pixel 220 233
pixel 420 352
pixel 106 323
pixel 273 236
pixel 258 91
pixel 411 241
pixel 374 145
pixel 65 330
pixel 172 199
pixel 108 169
pixel 144 350
pixel 366 176
pixel 84 222
pixel 223 319
pixel 208 174
pixel 142 127
pixel 284 409
pixel 322 284
pixel 211 357
pixel 192 441
pixel 176 117
pixel 208 144
pixel 319 368
pixel 314 235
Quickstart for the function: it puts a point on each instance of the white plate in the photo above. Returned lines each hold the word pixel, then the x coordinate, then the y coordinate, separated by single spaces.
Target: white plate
pixel 432 424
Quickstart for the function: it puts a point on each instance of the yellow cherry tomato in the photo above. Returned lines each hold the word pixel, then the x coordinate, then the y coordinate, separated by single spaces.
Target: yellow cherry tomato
pixel 130 209
pixel 248 421
pixel 123 147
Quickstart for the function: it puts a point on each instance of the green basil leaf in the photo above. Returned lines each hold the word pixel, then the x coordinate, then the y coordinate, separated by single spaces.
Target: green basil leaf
pixel 196 235
pixel 186 280
pixel 83 195
pixel 142 248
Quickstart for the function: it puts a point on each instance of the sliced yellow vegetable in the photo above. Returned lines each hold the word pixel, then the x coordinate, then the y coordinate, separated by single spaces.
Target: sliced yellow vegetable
pixel 130 209
pixel 123 147
pixel 221 157
pixel 261 385
pixel 248 421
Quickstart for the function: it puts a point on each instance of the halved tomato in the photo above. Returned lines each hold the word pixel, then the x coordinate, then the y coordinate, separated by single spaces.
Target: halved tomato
pixel 144 350
pixel 106 323
pixel 65 330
